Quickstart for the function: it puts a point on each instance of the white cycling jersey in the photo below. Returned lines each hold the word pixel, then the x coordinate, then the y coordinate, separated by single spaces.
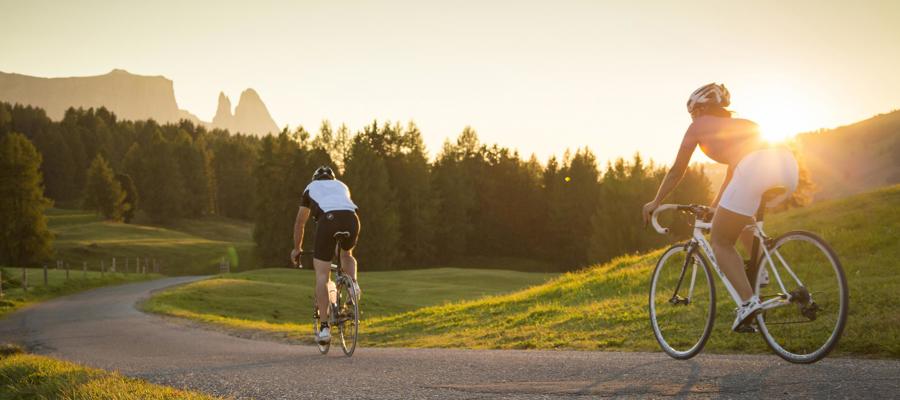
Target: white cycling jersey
pixel 327 195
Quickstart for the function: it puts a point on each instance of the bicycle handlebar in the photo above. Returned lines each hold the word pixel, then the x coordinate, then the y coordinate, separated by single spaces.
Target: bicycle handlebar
pixel 659 228
pixel 701 212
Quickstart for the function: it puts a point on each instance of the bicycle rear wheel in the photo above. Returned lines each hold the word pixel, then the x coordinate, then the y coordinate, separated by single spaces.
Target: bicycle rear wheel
pixel 806 328
pixel 317 322
pixel 682 318
pixel 348 316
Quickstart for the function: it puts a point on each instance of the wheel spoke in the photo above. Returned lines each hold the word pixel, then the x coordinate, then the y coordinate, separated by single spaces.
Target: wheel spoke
pixel 681 303
pixel 808 328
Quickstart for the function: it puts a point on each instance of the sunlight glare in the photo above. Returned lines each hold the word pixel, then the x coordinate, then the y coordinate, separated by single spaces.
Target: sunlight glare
pixel 781 114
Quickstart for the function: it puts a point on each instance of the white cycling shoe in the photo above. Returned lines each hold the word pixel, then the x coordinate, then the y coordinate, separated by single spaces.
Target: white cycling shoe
pixel 745 313
pixel 324 336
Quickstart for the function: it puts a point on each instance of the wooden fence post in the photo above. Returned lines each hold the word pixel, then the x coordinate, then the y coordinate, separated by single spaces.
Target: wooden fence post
pixel 67 269
pixel 45 275
pixel 126 265
pixel 24 280
pixel 1 283
pixel 114 265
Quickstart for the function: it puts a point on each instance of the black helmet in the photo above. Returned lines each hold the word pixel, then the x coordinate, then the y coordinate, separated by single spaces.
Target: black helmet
pixel 323 172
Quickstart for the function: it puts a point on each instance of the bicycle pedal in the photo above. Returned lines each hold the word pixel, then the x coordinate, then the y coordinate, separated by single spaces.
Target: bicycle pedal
pixel 747 328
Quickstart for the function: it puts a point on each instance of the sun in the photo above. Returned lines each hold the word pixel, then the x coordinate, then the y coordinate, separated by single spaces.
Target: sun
pixel 781 113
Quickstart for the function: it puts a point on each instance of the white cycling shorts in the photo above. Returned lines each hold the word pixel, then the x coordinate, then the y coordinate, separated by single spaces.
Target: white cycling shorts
pixel 756 173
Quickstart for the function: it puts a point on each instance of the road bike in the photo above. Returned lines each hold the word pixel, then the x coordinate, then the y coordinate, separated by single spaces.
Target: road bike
pixel 344 304
pixel 801 319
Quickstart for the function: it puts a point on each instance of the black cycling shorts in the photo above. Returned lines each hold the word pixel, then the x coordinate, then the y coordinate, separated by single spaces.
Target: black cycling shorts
pixel 327 225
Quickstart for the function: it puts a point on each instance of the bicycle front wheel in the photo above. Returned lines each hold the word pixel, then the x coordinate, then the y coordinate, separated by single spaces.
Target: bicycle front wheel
pixel 682 302
pixel 348 317
pixel 807 327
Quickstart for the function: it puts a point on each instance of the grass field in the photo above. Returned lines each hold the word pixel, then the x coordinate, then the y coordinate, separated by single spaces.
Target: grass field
pixel 605 307
pixel 183 247
pixel 280 300
pixel 25 376
pixel 57 285
pixel 600 308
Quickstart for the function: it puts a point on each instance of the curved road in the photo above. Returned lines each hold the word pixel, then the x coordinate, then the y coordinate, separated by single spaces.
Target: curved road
pixel 102 328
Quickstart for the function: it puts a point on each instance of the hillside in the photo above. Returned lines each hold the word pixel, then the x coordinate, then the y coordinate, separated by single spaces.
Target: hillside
pixel 604 307
pixel 280 300
pixel 130 97
pixel 850 159
pixel 183 247
pixel 854 158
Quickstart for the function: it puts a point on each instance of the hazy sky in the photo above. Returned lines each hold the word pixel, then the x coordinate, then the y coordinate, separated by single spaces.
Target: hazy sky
pixel 540 77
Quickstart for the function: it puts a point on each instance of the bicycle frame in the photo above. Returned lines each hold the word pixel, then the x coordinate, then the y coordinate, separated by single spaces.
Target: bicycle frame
pixel 698 240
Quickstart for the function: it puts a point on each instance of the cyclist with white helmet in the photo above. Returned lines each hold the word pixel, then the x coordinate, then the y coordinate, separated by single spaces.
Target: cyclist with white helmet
pixel 754 167
pixel 328 201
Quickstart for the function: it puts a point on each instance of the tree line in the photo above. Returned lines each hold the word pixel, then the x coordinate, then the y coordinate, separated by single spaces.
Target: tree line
pixel 472 199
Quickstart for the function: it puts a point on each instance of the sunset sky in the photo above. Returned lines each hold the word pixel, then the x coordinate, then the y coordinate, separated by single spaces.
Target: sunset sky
pixel 540 77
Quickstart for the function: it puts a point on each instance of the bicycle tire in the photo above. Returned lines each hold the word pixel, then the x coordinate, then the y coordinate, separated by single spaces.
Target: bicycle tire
pixel 349 315
pixel 667 344
pixel 777 344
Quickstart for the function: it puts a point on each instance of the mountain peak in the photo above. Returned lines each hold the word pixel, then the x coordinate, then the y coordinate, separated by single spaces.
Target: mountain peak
pixel 223 118
pixel 252 116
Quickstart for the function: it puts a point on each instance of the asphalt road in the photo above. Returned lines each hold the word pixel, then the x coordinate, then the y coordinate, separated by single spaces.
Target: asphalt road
pixel 102 328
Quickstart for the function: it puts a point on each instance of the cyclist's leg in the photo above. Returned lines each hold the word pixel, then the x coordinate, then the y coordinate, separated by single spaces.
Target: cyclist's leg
pixel 726 227
pixel 350 222
pixel 324 252
pixel 348 263
pixel 323 268
pixel 746 238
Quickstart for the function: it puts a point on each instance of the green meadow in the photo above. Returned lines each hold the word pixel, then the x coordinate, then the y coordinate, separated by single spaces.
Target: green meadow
pixel 83 240
pixel 280 300
pixel 57 285
pixel 603 307
pixel 182 247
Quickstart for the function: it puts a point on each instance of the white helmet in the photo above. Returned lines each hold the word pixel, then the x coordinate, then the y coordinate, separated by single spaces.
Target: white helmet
pixel 709 95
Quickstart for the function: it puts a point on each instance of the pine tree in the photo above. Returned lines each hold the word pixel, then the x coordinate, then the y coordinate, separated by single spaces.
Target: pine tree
pixel 367 177
pixel 24 236
pixel 103 192
pixel 130 203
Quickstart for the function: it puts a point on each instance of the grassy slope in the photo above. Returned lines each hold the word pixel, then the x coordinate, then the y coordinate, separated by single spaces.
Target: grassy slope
pixel 188 246
pixel 185 247
pixel 24 376
pixel 604 307
pixel 15 298
pixel 280 300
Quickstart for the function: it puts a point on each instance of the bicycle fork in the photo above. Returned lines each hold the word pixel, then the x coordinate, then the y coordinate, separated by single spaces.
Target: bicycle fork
pixel 688 262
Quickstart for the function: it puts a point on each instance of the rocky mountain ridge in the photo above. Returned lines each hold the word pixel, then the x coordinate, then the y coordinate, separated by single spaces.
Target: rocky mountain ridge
pixel 132 97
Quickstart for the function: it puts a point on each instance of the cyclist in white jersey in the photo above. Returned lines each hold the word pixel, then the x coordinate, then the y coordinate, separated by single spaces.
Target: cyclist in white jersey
pixel 753 168
pixel 328 201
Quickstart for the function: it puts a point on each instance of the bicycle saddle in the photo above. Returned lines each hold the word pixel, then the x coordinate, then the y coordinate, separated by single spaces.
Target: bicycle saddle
pixel 342 235
pixel 773 193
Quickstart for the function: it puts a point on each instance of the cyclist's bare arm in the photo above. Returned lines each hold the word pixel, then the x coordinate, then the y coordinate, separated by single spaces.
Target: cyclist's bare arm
pixel 673 177
pixel 299 224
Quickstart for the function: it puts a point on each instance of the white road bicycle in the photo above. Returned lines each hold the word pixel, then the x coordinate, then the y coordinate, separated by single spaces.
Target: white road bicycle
pixel 805 304
pixel 343 317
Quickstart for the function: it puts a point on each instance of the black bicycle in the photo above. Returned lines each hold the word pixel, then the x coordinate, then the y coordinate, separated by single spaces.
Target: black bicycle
pixel 344 303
